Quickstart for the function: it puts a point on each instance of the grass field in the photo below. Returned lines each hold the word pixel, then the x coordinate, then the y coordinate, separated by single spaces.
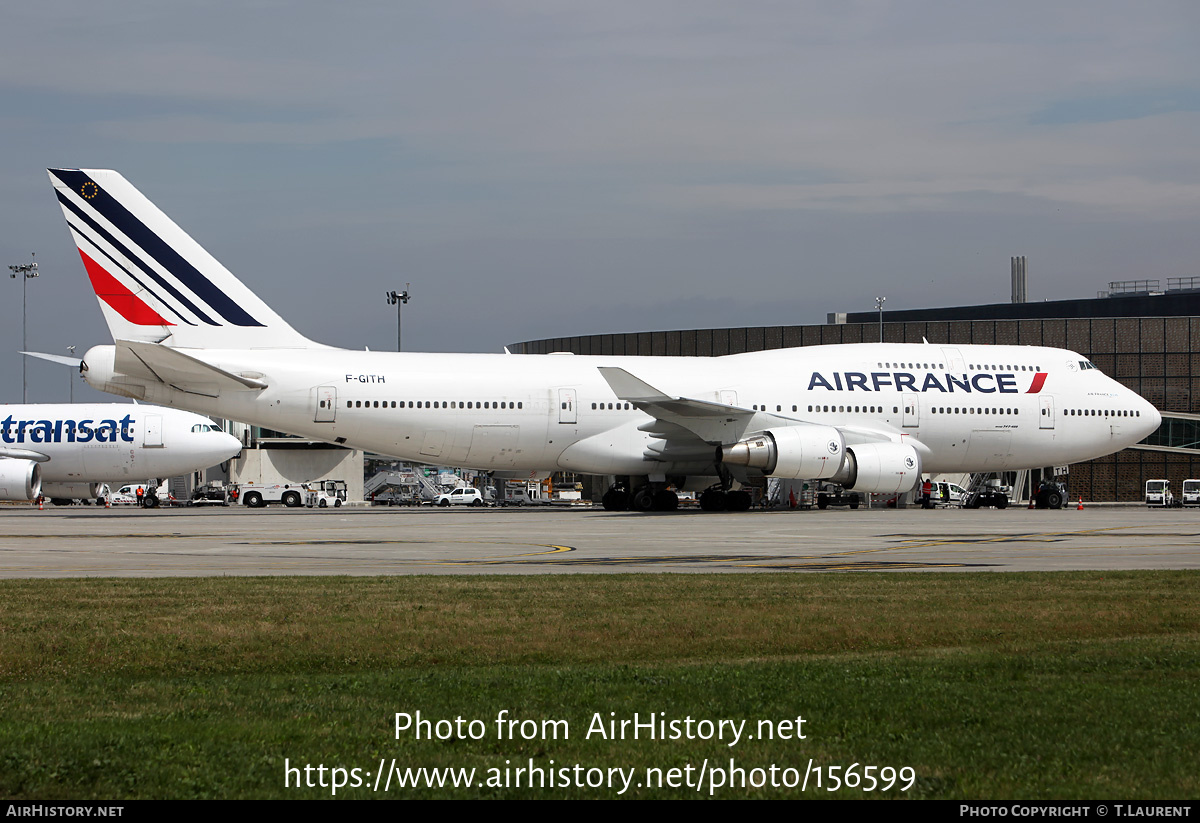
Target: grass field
pixel 1063 685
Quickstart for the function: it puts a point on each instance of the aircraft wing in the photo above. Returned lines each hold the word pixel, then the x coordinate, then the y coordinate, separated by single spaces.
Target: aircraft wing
pixel 181 371
pixel 679 418
pixel 688 426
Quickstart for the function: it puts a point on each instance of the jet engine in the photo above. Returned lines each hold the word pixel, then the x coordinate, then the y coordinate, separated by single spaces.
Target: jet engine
pixel 795 452
pixel 20 479
pixel 880 467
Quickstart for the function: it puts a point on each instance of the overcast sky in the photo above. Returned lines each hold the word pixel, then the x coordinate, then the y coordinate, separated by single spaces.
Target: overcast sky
pixel 537 169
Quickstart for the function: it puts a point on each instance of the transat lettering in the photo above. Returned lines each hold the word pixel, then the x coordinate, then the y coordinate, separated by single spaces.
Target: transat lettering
pixel 66 431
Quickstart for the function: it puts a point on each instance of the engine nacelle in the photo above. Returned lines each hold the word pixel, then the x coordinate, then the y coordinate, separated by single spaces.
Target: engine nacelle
pixel 794 452
pixel 880 467
pixel 20 479
pixel 72 491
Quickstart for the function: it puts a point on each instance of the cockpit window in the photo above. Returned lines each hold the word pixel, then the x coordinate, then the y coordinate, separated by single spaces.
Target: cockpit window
pixel 1086 364
pixel 200 427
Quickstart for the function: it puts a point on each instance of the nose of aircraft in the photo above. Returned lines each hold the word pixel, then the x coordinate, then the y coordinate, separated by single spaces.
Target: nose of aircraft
pixel 1151 419
pixel 224 445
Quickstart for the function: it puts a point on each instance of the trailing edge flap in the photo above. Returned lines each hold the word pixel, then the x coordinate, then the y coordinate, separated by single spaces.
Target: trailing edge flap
pixel 176 369
pixel 711 422
pixel 24 454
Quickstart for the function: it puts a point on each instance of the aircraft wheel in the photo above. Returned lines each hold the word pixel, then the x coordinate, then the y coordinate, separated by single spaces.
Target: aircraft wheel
pixel 1002 503
pixel 739 501
pixel 822 501
pixel 714 501
pixel 60 501
pixel 855 500
pixel 615 500
pixel 666 500
pixel 643 500
pixel 291 499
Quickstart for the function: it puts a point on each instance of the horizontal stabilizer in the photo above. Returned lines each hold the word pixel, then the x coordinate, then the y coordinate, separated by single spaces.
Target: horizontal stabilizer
pixel 177 369
pixel 55 358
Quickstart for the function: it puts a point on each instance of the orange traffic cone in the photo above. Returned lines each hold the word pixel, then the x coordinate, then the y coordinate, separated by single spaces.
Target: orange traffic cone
pixel 1079 508
pixel 108 502
pixel 40 506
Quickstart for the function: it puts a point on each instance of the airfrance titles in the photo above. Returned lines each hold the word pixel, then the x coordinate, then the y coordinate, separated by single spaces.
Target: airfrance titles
pixel 984 382
pixel 66 431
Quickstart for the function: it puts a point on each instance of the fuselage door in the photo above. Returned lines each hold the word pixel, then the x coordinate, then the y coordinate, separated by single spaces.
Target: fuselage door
pixel 325 404
pixel 1046 419
pixel 912 411
pixel 954 360
pixel 153 429
pixel 729 397
pixel 566 406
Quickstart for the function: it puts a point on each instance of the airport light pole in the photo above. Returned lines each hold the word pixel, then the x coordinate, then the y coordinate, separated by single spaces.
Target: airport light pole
pixel 27 271
pixel 71 349
pixel 879 301
pixel 398 299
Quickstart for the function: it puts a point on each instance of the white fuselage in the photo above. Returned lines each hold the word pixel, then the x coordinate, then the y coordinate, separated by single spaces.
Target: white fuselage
pixel 964 408
pixel 108 442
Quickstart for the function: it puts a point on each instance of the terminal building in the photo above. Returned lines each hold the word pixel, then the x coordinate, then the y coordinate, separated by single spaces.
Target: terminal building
pixel 1144 336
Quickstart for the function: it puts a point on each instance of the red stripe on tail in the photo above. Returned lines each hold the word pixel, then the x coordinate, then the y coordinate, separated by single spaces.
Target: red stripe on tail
pixel 124 302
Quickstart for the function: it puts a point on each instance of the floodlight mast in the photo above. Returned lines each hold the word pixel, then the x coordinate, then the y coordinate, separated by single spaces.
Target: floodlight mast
pixel 27 271
pixel 398 299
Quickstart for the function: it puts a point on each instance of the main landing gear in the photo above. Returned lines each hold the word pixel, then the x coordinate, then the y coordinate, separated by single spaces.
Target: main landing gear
pixel 650 498
pixel 644 499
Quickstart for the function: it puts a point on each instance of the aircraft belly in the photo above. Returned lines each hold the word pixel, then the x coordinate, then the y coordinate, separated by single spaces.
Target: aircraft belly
pixel 494 446
pixel 989 450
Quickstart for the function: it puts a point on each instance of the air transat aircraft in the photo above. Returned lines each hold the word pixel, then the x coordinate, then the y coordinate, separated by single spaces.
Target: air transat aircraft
pixel 69 451
pixel 871 417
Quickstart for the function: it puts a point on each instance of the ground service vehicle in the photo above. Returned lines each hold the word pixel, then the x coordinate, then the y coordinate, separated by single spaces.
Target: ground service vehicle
pixel 1050 495
pixel 289 494
pixel 152 496
pixel 212 493
pixel 324 494
pixel 1158 493
pixel 830 494
pixel 465 496
pixel 990 494
pixel 1191 492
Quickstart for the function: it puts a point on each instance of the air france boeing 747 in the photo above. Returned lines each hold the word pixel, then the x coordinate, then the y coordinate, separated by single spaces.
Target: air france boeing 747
pixel 871 417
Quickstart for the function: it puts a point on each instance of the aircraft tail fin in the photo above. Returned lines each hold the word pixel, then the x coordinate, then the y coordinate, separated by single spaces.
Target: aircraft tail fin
pixel 154 282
